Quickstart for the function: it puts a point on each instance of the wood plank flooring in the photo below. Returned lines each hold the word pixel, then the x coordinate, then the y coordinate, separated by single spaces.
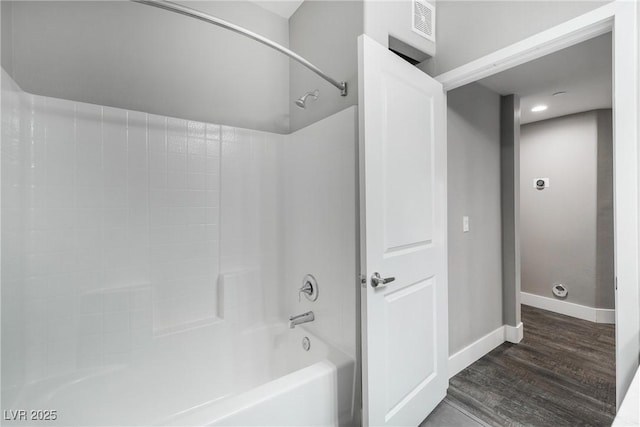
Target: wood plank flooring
pixel 561 374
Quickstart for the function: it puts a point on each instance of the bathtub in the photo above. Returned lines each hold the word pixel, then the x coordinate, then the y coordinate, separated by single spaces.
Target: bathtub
pixel 311 388
pixel 261 376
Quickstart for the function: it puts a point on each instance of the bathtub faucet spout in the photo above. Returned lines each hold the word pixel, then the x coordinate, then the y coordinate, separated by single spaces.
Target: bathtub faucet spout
pixel 301 318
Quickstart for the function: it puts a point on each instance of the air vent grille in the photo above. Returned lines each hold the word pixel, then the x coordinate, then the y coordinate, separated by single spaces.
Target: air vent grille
pixel 424 19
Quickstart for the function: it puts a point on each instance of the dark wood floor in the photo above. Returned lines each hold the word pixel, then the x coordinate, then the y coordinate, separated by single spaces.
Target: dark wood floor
pixel 561 374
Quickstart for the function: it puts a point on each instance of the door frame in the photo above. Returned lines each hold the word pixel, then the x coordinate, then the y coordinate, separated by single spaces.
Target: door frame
pixel 620 18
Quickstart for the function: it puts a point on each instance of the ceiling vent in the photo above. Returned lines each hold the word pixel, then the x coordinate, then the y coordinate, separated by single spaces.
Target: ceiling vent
pixel 424 19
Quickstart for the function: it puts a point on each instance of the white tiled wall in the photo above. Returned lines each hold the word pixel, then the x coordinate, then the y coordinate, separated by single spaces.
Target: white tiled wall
pixel 122 231
pixel 250 211
pixel 111 227
pixel 12 153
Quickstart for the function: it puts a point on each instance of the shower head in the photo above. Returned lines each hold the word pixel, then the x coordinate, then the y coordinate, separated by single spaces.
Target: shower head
pixel 302 101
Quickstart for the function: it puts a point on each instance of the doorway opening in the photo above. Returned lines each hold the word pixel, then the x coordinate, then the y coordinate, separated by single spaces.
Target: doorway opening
pixel 551 170
pixel 561 37
pixel 618 18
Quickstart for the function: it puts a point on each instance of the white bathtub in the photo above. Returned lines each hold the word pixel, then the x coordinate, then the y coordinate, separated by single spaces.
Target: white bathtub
pixel 261 376
pixel 311 388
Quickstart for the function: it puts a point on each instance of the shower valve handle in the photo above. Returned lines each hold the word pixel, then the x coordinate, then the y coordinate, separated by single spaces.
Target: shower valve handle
pixel 307 288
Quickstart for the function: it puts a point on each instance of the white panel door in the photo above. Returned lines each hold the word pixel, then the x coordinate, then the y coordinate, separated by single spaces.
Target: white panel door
pixel 403 220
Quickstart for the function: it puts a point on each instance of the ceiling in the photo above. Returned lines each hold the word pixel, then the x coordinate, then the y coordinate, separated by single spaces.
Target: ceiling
pixel 284 8
pixel 583 71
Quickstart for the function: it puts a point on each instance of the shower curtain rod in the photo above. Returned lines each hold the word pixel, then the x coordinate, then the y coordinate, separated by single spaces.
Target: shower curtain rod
pixel 193 13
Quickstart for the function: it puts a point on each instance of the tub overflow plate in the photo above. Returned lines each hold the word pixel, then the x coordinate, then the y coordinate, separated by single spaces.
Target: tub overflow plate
pixel 306 343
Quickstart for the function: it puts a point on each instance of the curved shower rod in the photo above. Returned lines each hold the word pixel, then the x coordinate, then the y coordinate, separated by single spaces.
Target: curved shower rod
pixel 193 13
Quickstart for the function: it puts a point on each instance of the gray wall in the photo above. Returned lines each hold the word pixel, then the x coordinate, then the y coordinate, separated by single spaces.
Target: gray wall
pixel 324 32
pixel 132 56
pixel 6 45
pixel 475 267
pixel 605 266
pixel 467 30
pixel 510 201
pixel 383 18
pixel 565 233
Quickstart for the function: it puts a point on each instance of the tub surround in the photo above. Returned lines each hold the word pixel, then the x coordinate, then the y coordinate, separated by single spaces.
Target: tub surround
pixel 319 200
pixel 140 243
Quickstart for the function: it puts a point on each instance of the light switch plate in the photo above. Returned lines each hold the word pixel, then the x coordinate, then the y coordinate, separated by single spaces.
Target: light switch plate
pixel 465 224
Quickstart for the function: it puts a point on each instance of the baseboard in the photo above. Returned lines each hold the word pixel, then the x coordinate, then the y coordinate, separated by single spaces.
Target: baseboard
pixel 514 334
pixel 605 315
pixel 598 315
pixel 475 350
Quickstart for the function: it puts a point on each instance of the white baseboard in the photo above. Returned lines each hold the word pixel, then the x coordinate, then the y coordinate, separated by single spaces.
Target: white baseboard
pixel 605 315
pixel 475 350
pixel 598 315
pixel 514 334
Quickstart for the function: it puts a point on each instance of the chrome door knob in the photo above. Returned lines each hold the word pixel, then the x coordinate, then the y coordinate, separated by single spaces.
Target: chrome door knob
pixel 378 282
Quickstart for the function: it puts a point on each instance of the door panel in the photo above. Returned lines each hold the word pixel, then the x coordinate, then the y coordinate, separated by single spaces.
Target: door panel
pixel 403 211
pixel 407 149
pixel 411 363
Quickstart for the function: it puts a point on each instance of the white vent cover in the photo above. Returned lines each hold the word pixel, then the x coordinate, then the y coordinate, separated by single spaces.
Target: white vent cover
pixel 424 19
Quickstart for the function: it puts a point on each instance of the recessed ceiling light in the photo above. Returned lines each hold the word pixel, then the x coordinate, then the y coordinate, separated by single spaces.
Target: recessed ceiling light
pixel 539 108
pixel 562 92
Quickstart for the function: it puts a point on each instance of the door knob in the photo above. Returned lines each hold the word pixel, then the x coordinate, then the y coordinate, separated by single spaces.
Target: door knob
pixel 378 282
